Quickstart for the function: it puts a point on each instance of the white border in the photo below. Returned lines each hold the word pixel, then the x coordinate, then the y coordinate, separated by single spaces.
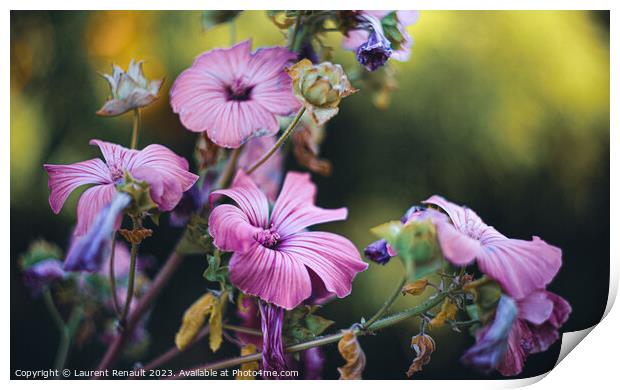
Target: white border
pixel 595 362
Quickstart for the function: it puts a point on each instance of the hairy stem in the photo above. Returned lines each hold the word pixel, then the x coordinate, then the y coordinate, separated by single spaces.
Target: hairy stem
pixel 386 306
pixel 333 338
pixel 132 275
pixel 136 128
pixel 117 307
pixel 66 330
pixel 280 141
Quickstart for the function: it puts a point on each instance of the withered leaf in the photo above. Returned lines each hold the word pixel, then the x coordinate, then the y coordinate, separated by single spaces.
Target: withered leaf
pixel 351 351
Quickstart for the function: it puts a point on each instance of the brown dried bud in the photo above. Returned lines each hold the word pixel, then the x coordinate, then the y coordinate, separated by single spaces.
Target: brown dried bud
pixel 423 345
pixel 135 236
pixel 415 288
pixel 352 353
pixel 448 312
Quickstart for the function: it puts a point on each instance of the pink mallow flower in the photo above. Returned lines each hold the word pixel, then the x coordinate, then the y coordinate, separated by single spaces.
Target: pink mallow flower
pixel 166 173
pixel 274 256
pixel 519 266
pixel 234 94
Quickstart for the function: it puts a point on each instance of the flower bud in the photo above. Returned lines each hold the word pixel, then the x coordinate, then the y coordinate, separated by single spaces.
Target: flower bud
pixel 375 52
pixel 43 274
pixel 130 90
pixel 320 88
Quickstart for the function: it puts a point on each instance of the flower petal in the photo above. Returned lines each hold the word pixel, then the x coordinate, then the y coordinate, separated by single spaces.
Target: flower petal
pixel 63 179
pixel 536 307
pixel 456 247
pixel 514 359
pixel 114 155
pixel 272 275
pixel 249 197
pixel 237 121
pixel 231 229
pixel 166 172
pixel 519 266
pixel 332 257
pixel 92 201
pixel 294 209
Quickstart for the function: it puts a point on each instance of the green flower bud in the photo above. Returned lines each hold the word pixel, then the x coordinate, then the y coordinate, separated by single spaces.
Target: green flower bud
pixel 320 88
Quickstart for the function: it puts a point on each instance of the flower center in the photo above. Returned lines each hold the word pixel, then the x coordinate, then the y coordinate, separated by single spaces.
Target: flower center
pixel 268 238
pixel 116 173
pixel 239 92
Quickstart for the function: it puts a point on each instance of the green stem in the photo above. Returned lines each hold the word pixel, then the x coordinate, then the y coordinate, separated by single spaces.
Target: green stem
pixel 292 45
pixel 132 274
pixel 229 169
pixel 242 329
pixel 280 141
pixel 136 128
pixel 386 306
pixel 66 330
pixel 333 338
pixel 117 307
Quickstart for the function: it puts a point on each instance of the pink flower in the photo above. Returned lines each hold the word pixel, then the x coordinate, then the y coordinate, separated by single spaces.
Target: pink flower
pixel 355 38
pixel 268 176
pixel 274 256
pixel 234 94
pixel 519 266
pixel 166 173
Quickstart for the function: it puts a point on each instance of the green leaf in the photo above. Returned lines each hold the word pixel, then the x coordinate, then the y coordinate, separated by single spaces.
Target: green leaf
pixel 196 239
pixel 215 272
pixel 140 193
pixel 391 31
pixel 300 324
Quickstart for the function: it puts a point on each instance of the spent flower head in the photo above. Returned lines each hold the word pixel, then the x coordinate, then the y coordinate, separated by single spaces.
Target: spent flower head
pixel 130 90
pixel 320 88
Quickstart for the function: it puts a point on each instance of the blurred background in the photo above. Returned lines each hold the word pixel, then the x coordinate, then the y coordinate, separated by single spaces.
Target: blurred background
pixel 507 112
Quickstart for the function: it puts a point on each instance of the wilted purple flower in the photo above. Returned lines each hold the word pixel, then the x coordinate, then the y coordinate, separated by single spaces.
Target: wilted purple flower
pixel 492 342
pixel 272 317
pixel 313 360
pixel 378 252
pixel 377 49
pixel 89 252
pixel 43 274
pixel 520 328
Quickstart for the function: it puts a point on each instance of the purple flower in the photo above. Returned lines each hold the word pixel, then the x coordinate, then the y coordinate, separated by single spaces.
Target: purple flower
pixel 166 173
pixel 274 255
pixel 376 50
pixel 378 252
pixel 272 317
pixel 90 251
pixel 233 94
pixel 492 342
pixel 529 325
pixel 42 274
pixel 268 176
pixel 355 38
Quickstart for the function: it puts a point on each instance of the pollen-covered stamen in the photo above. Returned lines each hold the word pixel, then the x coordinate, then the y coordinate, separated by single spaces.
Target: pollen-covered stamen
pixel 268 238
pixel 116 173
pixel 239 91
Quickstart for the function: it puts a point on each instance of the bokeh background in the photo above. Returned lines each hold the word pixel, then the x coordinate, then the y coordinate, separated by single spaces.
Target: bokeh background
pixel 507 112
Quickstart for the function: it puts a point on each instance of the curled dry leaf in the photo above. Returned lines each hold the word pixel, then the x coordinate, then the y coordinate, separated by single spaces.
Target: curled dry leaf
pixel 306 152
pixel 194 318
pixel 351 351
pixel 448 312
pixel 423 345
